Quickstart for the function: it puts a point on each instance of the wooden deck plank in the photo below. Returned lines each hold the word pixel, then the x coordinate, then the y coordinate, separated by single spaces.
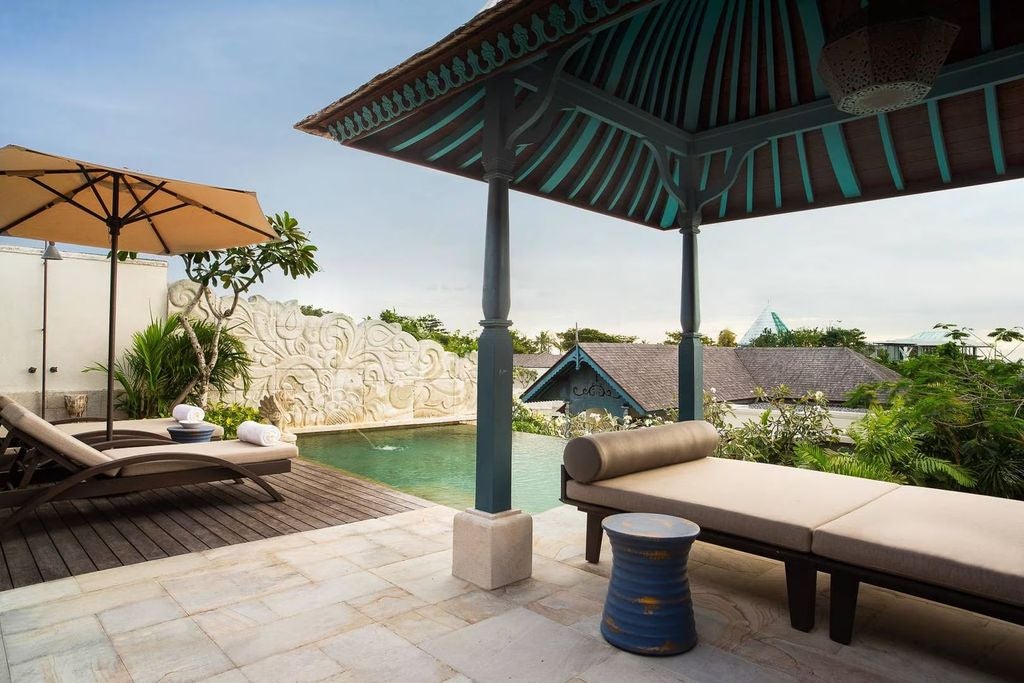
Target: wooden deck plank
pixel 78 536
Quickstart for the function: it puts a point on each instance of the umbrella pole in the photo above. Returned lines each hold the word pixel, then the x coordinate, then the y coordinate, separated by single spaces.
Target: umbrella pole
pixel 114 225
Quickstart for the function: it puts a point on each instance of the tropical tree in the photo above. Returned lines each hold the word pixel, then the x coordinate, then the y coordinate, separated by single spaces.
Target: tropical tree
pixel 315 311
pixel 727 338
pixel 885 447
pixel 235 271
pixel 430 327
pixel 675 338
pixel 545 341
pixel 158 366
pixel 567 339
pixel 851 338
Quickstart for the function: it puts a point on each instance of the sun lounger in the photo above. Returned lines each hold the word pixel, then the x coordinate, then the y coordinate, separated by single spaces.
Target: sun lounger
pixel 94 429
pixel 951 547
pixel 52 465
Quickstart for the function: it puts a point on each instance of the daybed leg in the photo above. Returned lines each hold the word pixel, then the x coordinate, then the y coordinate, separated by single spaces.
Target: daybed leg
pixel 801 586
pixel 594 536
pixel 843 607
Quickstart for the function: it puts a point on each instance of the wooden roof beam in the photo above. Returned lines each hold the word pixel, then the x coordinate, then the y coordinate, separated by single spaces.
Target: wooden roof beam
pixel 991 68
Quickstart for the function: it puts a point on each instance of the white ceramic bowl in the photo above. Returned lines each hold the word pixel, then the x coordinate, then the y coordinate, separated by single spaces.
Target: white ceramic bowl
pixel 191 424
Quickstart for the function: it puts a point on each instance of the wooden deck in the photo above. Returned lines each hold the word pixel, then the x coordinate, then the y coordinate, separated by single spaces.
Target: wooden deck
pixel 68 538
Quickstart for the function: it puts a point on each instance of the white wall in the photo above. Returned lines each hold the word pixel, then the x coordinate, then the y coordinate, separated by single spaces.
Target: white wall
pixel 77 335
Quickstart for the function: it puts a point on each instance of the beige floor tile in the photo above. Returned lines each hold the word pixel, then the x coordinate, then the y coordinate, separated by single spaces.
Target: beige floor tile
pixel 623 667
pixel 229 676
pixel 262 548
pixel 250 645
pixel 211 589
pixel 709 664
pixel 566 607
pixel 375 557
pixel 374 653
pixel 19 598
pixel 302 665
pixel 74 634
pixel 424 623
pixel 519 645
pixel 476 606
pixel 406 543
pixel 98 662
pixel 140 614
pixel 526 591
pixel 318 552
pixel 293 601
pixel 153 569
pixel 323 570
pixel 173 651
pixel 386 603
pixel 417 567
pixel 74 606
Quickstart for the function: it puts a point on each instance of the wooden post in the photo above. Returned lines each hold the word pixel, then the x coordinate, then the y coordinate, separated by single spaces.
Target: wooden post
pixel 691 353
pixel 494 378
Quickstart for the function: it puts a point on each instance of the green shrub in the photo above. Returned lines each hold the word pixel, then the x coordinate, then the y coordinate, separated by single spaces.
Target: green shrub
pixel 158 368
pixel 230 415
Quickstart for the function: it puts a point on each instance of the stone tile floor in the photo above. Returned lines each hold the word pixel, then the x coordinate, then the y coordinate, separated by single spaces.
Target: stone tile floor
pixel 375 601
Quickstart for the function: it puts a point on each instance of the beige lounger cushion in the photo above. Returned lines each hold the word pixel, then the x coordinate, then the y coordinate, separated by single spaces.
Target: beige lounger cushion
pixel 236 452
pixel 963 541
pixel 156 426
pixel 768 503
pixel 41 430
pixel 613 454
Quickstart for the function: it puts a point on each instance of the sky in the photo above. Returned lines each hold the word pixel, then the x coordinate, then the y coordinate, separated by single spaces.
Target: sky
pixel 209 92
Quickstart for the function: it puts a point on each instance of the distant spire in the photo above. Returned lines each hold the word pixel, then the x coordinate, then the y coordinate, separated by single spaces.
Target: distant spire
pixel 767 320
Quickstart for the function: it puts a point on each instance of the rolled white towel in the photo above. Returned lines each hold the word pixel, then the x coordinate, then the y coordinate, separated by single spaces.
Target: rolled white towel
pixel 258 434
pixel 188 413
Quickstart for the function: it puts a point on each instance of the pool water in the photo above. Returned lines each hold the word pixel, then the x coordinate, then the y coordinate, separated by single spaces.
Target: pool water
pixel 439 463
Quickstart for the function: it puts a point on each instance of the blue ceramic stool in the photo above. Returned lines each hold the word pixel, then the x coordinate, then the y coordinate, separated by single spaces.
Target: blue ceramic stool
pixel 200 434
pixel 648 609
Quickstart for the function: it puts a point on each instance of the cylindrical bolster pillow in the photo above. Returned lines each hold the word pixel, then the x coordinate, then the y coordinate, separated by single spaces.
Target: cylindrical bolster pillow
pixel 613 454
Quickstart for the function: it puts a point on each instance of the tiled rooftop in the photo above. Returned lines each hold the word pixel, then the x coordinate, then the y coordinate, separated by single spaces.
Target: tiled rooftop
pixel 375 601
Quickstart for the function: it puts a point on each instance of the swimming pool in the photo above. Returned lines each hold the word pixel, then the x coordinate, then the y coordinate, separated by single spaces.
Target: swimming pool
pixel 439 463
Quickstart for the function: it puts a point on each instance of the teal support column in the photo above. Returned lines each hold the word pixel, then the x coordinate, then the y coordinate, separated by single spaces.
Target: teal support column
pixel 691 352
pixel 494 371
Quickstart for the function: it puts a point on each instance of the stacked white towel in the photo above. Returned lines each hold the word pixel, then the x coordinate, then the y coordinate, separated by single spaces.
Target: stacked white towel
pixel 188 413
pixel 258 434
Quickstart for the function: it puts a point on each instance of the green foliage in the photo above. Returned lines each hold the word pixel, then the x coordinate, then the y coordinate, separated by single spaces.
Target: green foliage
pixel 727 338
pixel 230 415
pixel 314 311
pixel 521 343
pixel 237 269
pixel 530 421
pixel 851 338
pixel 567 339
pixel 545 341
pixel 780 428
pixel 885 447
pixel 158 366
pixel 523 377
pixel 966 411
pixel 570 426
pixel 430 327
pixel 675 338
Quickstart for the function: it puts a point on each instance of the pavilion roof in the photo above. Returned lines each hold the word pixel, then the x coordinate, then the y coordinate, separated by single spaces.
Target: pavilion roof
pixel 726 90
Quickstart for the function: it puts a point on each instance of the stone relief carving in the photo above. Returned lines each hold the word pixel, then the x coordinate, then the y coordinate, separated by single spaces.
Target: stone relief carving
pixel 341 371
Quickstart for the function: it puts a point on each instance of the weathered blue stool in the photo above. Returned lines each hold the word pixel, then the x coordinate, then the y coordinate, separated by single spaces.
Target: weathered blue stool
pixel 199 434
pixel 648 609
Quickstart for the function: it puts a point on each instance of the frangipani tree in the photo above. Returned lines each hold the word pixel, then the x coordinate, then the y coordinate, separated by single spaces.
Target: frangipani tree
pixel 235 271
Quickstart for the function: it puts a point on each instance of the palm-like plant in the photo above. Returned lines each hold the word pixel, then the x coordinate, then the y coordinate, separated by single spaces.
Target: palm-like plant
pixel 158 368
pixel 885 447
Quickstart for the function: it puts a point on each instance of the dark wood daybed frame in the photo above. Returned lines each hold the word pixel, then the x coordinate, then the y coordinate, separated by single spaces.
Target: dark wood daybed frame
pixel 801 577
pixel 38 474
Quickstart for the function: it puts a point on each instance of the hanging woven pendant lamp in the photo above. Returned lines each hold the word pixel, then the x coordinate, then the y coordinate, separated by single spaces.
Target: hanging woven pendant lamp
pixel 885 57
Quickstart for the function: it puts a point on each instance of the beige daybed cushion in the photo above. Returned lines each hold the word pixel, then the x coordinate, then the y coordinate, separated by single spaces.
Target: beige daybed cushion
pixel 958 540
pixel 238 452
pixel 769 503
pixel 44 432
pixel 613 454
pixel 156 426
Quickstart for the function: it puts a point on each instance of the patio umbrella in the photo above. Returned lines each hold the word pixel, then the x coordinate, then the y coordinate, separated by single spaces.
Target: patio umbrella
pixel 49 197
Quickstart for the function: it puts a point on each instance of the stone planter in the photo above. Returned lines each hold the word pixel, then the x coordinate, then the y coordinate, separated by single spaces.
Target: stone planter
pixel 76 404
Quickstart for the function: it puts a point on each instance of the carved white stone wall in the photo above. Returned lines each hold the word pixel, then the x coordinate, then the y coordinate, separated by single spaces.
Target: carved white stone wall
pixel 339 370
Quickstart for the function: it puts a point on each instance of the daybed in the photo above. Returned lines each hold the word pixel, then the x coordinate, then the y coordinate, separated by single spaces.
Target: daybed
pixel 961 549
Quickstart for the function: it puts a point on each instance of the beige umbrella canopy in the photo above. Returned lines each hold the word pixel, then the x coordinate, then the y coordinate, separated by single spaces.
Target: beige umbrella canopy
pixel 49 197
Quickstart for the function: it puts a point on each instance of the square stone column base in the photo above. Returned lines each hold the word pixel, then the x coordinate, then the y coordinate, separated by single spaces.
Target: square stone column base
pixel 492 550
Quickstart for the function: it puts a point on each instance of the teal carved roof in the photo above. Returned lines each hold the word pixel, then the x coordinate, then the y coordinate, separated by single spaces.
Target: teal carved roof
pixel 720 96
